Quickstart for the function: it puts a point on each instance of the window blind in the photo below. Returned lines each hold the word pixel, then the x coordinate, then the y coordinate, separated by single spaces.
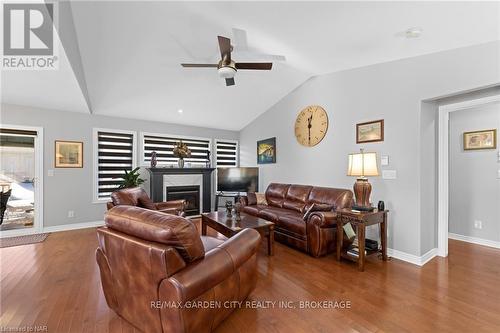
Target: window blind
pixel 226 153
pixel 115 153
pixel 164 146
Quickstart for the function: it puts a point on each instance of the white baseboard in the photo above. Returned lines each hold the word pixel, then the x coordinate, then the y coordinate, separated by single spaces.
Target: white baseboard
pixel 474 240
pixel 73 226
pixel 411 258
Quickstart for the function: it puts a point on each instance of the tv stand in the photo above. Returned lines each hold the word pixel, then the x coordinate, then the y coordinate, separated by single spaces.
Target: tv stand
pixel 234 195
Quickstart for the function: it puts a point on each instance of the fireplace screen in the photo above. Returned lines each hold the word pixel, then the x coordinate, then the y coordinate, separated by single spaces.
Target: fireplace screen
pixel 189 193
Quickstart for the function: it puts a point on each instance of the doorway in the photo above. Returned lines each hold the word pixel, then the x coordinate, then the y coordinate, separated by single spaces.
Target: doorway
pixel 21 170
pixel 443 164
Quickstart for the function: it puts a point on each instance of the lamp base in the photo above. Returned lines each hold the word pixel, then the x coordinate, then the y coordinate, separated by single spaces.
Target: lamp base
pixel 362 190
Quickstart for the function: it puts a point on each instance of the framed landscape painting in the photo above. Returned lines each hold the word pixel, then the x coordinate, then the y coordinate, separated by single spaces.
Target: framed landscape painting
pixel 476 140
pixel 372 131
pixel 69 154
pixel 266 151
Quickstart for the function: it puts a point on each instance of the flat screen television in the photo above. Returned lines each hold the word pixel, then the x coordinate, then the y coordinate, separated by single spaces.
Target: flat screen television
pixel 238 179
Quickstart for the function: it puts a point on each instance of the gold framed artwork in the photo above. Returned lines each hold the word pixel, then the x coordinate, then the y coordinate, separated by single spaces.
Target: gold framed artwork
pixel 372 131
pixel 476 140
pixel 69 154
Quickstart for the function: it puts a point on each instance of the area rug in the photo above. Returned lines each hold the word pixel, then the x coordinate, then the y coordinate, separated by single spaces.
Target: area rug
pixel 22 240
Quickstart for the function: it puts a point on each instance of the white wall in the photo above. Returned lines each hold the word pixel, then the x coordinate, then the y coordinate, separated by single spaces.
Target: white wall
pixel 474 186
pixel 393 91
pixel 71 189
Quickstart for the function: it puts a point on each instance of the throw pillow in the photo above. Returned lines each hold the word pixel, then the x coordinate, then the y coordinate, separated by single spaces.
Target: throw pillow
pixel 318 208
pixel 251 198
pixel 261 199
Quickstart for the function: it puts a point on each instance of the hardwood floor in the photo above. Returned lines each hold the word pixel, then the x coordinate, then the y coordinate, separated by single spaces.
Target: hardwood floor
pixel 56 284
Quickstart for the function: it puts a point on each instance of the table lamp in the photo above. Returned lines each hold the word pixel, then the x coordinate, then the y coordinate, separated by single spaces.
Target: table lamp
pixel 361 165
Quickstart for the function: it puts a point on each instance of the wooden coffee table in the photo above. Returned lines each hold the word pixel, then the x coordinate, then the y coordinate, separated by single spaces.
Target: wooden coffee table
pixel 230 227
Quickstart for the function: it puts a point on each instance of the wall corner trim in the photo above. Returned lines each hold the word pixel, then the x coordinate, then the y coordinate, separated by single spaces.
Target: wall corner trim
pixel 411 258
pixel 475 240
pixel 73 226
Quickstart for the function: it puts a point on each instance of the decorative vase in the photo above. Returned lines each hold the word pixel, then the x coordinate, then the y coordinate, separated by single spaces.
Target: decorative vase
pixel 229 209
pixel 154 159
pixel 237 211
pixel 181 162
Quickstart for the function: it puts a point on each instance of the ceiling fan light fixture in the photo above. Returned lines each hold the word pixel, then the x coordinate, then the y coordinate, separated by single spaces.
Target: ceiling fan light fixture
pixel 413 32
pixel 227 72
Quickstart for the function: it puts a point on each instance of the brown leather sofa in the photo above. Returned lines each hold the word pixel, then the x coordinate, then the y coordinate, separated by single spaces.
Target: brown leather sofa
pixel 155 269
pixel 286 205
pixel 136 196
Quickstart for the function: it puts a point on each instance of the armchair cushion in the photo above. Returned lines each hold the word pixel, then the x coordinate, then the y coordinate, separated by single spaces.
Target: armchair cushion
pixel 153 226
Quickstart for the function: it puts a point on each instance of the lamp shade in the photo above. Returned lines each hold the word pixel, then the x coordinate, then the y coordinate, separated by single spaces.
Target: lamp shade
pixel 362 164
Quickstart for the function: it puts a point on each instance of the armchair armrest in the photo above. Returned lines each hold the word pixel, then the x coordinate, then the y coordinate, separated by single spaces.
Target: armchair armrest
pixel 175 207
pixel 218 265
pixel 323 219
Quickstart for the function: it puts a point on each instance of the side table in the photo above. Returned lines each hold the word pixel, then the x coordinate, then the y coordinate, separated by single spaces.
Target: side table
pixel 360 221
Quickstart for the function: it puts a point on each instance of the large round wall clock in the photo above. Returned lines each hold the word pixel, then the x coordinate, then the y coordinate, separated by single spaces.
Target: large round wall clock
pixel 311 125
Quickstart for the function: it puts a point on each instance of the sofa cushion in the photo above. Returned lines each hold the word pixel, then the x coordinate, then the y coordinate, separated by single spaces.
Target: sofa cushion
pixel 317 208
pixel 273 213
pixel 251 198
pixel 296 197
pixel 276 193
pixel 340 198
pixel 158 227
pixel 293 223
pixel 260 199
pixel 254 209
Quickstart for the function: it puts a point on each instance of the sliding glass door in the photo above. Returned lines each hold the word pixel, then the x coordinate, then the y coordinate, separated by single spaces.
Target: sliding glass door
pixel 19 174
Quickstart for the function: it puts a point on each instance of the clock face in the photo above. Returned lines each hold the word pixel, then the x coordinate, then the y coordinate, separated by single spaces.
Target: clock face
pixel 311 125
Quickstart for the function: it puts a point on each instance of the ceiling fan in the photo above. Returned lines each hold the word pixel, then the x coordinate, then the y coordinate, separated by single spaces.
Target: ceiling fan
pixel 226 67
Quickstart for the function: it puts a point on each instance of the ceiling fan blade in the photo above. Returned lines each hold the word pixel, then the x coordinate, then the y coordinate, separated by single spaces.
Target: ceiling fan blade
pixel 230 81
pixel 225 48
pixel 254 65
pixel 240 39
pixel 199 65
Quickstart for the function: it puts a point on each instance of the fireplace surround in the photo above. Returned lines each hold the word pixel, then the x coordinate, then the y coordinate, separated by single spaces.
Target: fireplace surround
pixel 162 179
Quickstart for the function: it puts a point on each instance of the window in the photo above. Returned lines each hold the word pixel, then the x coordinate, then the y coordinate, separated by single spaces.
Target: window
pixel 226 153
pixel 114 152
pixel 163 145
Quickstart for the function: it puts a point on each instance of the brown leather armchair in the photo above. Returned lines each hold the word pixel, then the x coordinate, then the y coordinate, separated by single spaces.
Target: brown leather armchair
pixel 154 267
pixel 136 196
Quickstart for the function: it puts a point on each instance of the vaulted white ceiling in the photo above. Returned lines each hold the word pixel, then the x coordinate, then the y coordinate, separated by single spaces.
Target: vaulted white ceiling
pixel 128 64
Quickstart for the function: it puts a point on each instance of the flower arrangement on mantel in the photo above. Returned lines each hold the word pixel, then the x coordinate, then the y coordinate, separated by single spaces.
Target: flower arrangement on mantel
pixel 181 151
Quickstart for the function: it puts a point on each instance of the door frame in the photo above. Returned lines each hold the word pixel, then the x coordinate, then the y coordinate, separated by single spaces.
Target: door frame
pixel 443 164
pixel 39 145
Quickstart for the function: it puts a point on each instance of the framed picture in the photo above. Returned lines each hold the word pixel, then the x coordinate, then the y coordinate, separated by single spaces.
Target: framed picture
pixel 266 151
pixel 485 139
pixel 372 131
pixel 69 154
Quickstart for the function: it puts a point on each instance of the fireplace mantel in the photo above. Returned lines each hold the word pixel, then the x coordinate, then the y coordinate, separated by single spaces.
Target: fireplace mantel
pixel 157 187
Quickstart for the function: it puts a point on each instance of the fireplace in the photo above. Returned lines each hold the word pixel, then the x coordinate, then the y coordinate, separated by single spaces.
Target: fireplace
pixel 189 193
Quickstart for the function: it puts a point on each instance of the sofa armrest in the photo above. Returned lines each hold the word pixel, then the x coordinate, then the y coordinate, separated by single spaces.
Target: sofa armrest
pixel 218 265
pixel 243 200
pixel 323 219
